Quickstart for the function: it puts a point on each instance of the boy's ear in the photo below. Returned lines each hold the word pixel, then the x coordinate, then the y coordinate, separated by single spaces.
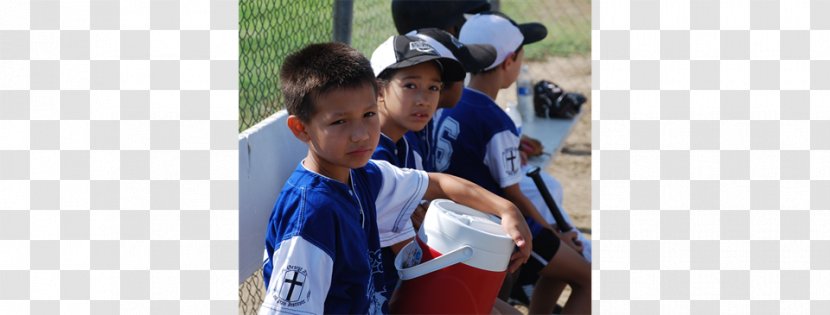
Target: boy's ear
pixel 380 96
pixel 298 128
pixel 508 61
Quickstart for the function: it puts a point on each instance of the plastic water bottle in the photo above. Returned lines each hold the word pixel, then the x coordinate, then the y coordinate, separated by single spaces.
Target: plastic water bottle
pixel 513 112
pixel 524 94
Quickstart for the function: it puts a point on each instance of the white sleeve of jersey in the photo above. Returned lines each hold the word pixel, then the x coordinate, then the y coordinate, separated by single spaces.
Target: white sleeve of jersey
pixel 401 191
pixel 502 158
pixel 300 279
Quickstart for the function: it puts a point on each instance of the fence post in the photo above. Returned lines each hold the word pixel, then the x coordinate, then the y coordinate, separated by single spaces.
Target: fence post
pixel 343 21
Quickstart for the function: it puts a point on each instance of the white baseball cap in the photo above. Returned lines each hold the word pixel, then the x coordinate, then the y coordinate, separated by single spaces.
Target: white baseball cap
pixel 402 51
pixel 501 32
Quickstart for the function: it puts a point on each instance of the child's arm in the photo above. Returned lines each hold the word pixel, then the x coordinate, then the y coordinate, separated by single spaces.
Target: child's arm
pixel 465 192
pixel 514 194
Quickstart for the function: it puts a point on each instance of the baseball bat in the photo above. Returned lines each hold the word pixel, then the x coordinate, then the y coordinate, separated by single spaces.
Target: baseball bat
pixel 554 209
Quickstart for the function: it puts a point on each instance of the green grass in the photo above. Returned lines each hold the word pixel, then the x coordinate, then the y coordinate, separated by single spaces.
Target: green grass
pixel 269 30
pixel 568 23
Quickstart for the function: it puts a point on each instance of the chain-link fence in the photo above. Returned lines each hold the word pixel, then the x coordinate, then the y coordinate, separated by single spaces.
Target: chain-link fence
pixel 372 25
pixel 271 29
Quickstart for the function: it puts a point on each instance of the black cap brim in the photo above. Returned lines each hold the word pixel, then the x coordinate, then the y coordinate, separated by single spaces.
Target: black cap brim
pixel 477 57
pixel 532 32
pixel 451 70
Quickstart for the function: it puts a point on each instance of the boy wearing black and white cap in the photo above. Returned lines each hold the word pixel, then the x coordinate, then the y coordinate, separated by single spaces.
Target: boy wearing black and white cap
pixel 410 70
pixel 473 57
pixel 476 140
pixel 410 73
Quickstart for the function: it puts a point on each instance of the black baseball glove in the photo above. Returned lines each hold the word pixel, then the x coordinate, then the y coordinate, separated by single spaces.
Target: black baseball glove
pixel 550 100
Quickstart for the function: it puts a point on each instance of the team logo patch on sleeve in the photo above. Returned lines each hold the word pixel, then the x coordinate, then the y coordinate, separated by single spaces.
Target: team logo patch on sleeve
pixel 511 160
pixel 293 287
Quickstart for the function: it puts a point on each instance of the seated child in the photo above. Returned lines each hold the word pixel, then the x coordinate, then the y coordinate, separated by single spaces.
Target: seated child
pixel 322 250
pixel 410 71
pixel 410 85
pixel 483 146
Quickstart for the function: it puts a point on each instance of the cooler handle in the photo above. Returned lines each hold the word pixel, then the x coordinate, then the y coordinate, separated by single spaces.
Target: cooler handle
pixel 456 256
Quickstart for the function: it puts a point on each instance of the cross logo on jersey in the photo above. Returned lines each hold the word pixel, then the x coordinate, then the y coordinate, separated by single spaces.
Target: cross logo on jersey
pixel 293 284
pixel 511 160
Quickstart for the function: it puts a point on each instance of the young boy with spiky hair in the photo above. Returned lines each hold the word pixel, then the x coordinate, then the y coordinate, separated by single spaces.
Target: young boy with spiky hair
pixel 322 250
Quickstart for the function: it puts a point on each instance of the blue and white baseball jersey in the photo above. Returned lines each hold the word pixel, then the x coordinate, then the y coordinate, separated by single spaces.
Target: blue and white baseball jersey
pixel 476 140
pixel 322 250
pixel 402 154
pixel 393 223
pixel 420 142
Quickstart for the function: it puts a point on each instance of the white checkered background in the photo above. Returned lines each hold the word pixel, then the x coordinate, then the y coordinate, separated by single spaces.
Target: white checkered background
pixel 118 161
pixel 711 179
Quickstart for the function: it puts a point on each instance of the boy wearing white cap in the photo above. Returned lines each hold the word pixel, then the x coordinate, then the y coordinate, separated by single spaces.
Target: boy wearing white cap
pixel 476 140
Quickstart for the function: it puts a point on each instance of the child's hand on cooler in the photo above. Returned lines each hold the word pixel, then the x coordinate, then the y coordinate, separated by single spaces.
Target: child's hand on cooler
pixel 514 224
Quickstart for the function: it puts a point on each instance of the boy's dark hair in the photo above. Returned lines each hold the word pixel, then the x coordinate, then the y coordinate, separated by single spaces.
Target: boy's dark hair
pixel 320 68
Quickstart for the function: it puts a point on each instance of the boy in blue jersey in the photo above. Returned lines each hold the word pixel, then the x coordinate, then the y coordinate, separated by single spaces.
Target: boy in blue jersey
pixel 476 140
pixel 322 250
pixel 410 70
